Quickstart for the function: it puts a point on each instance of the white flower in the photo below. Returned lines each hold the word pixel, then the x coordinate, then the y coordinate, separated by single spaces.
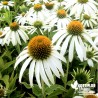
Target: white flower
pixel 28 2
pixel 14 34
pixel 37 12
pixel 43 59
pixel 89 20
pixel 73 38
pixel 59 18
pixel 21 19
pixel 39 27
pixel 92 55
pixel 78 6
pixel 94 34
pixel 6 4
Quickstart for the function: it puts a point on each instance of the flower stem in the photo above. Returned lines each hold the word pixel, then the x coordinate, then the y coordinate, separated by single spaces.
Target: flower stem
pixel 43 89
pixel 66 74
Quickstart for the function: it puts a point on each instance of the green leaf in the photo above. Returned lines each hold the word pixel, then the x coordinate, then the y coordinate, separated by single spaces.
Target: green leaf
pixel 36 90
pixel 1 63
pixel 26 85
pixel 5 79
pixel 7 65
pixel 12 82
pixel 52 89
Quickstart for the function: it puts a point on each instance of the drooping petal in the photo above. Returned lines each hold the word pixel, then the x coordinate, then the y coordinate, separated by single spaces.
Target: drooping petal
pixel 43 74
pixel 37 73
pixel 24 66
pixel 48 71
pixel 20 59
pixel 31 72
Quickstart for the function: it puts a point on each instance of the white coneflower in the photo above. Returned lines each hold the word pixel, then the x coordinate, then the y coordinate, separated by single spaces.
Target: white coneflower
pixel 37 12
pixel 94 34
pixel 79 6
pixel 14 34
pixel 21 19
pixel 43 59
pixel 92 55
pixel 89 21
pixel 6 4
pixel 73 37
pixel 38 27
pixel 59 18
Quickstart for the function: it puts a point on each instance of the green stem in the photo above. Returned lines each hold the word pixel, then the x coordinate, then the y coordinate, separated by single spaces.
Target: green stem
pixel 43 89
pixel 66 73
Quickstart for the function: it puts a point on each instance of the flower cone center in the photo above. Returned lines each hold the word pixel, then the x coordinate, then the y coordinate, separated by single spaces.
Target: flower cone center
pixel 82 1
pixel 37 7
pixel 89 54
pixel 32 0
pixel 1 33
pixel 1 93
pixel 14 26
pixel 61 13
pixel 91 96
pixel 38 24
pixel 75 27
pixel 81 78
pixel 5 2
pixel 49 5
pixel 39 47
pixel 86 17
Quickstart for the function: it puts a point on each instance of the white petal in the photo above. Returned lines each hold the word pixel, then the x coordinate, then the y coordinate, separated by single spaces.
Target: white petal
pixel 58 64
pixel 65 44
pixel 20 59
pixel 48 71
pixel 57 35
pixel 24 66
pixel 18 38
pixel 31 72
pixel 53 67
pixel 59 56
pixel 89 39
pixel 13 38
pixel 90 62
pixel 78 49
pixel 83 47
pixel 43 74
pixel 71 50
pixel 37 74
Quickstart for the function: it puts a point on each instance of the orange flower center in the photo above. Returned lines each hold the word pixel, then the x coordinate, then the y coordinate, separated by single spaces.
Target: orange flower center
pixel 37 7
pixel 75 27
pixel 14 26
pixel 39 47
pixel 91 96
pixel 61 13
pixel 1 33
pixel 5 2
